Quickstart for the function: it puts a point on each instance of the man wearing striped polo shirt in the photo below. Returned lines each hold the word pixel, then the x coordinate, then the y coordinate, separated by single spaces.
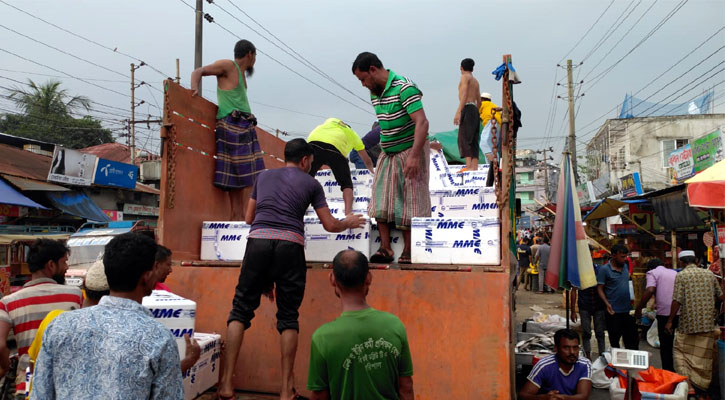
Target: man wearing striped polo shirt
pixel 400 186
pixel 25 309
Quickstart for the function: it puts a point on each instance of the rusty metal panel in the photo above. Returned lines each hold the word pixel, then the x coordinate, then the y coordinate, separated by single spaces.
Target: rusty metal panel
pixel 189 196
pixel 457 324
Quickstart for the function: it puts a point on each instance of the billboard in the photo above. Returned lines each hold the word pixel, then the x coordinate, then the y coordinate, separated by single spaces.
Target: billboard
pixel 707 150
pixel 72 167
pixel 682 163
pixel 114 173
pixel 631 185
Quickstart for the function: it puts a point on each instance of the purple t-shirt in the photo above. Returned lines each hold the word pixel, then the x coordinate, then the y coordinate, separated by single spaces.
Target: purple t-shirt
pixel 663 279
pixel 547 375
pixel 283 195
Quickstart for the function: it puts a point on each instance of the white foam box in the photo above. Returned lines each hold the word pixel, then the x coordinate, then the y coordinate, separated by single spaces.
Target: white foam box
pixel 472 241
pixel 464 202
pixel 337 206
pixel 323 246
pixel 223 240
pixel 362 183
pixel 396 238
pixel 205 373
pixel 174 312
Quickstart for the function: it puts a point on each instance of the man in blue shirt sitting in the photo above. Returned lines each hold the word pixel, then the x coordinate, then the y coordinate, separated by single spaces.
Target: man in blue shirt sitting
pixel 563 375
pixel 613 289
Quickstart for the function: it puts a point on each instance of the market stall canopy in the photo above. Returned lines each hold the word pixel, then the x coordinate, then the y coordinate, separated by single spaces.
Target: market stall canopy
pixel 10 238
pixel 8 195
pixel 78 204
pixel 608 208
pixel 707 189
pixel 34 185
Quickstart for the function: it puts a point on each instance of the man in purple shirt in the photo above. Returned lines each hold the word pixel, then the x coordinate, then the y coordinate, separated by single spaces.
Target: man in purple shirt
pixel 661 283
pixel 372 146
pixel 563 375
pixel 275 256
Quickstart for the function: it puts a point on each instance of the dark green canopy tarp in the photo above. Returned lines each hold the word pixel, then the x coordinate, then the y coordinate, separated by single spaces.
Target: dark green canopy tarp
pixel 449 141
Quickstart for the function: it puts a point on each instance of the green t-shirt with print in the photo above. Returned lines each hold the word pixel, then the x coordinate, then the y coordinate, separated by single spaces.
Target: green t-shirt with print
pixel 360 355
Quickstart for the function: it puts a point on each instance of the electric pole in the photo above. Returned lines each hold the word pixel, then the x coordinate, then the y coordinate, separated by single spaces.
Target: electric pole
pixel 197 37
pixel 572 135
pixel 132 122
pixel 546 174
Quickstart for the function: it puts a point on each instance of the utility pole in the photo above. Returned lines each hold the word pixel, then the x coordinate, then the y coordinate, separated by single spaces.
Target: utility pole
pixel 132 122
pixel 546 174
pixel 198 36
pixel 572 135
pixel 178 78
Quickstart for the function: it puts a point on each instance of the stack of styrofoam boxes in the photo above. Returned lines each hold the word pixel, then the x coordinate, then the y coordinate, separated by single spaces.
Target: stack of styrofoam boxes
pixel 473 241
pixel 464 202
pixel 362 183
pixel 322 246
pixel 205 373
pixel 223 240
pixel 174 312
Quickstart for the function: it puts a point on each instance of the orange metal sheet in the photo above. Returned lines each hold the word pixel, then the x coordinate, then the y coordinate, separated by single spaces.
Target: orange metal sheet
pixel 457 322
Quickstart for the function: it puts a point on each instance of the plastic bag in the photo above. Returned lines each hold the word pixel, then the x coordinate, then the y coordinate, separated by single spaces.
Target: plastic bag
pixel 653 337
pixel 599 378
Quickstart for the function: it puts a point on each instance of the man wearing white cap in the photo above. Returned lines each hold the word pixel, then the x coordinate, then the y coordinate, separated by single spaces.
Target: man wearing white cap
pixel 694 297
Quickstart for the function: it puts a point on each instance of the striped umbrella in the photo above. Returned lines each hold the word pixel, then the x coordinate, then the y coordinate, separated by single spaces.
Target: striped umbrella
pixel 570 262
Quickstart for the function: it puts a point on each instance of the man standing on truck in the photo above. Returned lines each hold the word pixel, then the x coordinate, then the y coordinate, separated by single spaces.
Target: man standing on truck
pixel 331 141
pixel 363 353
pixel 238 155
pixel 467 117
pixel 275 255
pixel 400 187
pixel 25 309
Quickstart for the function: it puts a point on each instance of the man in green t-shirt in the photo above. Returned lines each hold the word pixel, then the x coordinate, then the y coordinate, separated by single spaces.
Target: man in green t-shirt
pixel 364 353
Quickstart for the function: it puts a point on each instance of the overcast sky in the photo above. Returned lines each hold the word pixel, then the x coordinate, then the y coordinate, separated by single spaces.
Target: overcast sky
pixel 423 40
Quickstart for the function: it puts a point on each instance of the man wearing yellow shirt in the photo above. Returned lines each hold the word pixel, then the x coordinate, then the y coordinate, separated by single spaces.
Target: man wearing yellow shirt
pixel 330 142
pixel 485 109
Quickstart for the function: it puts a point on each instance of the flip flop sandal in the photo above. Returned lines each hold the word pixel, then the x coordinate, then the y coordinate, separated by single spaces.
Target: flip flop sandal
pixel 297 396
pixel 381 257
pixel 404 259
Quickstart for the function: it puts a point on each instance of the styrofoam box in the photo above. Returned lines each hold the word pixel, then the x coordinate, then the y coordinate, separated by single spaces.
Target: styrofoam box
pixel 474 241
pixel 205 373
pixel 362 182
pixel 464 202
pixel 223 240
pixel 323 246
pixel 396 238
pixel 174 312
pixel 617 393
pixel 337 206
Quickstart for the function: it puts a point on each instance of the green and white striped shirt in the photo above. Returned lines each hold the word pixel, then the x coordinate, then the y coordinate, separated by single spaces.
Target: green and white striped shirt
pixel 400 98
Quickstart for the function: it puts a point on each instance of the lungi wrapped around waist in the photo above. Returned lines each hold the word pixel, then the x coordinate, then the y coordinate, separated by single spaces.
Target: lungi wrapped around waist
pixel 238 155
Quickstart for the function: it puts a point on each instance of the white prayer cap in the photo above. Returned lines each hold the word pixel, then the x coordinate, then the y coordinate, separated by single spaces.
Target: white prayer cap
pixel 686 253
pixel 486 95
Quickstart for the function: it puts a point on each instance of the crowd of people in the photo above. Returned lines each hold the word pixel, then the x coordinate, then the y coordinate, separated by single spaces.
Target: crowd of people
pixel 685 303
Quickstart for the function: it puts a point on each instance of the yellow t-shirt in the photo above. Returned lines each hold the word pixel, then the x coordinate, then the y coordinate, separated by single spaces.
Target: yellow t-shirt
pixel 339 134
pixel 34 349
pixel 485 112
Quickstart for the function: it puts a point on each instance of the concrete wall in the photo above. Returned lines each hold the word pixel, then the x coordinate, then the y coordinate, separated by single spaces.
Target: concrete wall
pixel 624 146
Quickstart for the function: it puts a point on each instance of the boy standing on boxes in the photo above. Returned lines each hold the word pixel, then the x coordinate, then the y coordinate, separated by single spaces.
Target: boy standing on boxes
pixel 275 255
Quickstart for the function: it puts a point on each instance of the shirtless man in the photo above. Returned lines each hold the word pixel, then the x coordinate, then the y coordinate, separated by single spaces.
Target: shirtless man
pixel 238 155
pixel 467 116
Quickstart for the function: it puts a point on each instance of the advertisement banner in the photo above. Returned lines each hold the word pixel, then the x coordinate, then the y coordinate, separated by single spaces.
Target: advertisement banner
pixel 114 215
pixel 682 163
pixel 114 173
pixel 631 185
pixel 707 150
pixel 72 167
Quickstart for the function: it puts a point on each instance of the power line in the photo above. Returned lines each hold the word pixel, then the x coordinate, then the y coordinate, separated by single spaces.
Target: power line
pixel 211 20
pixel 114 50
pixel 60 76
pixel 67 74
pixel 587 32
pixel 610 30
pixel 659 25
pixel 297 56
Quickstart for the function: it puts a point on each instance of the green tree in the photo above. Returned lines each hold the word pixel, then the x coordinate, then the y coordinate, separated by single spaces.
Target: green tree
pixel 47 115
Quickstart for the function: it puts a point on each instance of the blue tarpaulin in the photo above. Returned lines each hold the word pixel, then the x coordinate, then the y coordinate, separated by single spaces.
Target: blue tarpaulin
pixel 78 204
pixel 634 107
pixel 8 195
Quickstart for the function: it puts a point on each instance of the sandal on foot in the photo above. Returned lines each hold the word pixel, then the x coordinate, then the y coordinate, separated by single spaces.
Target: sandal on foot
pixel 381 257
pixel 404 258
pixel 297 396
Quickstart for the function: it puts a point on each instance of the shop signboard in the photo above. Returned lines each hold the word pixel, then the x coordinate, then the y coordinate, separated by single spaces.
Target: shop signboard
pixel 6 210
pixel 114 215
pixel 72 167
pixel 585 191
pixel 682 163
pixel 114 173
pixel 138 209
pixel 707 150
pixel 624 229
pixel 631 185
